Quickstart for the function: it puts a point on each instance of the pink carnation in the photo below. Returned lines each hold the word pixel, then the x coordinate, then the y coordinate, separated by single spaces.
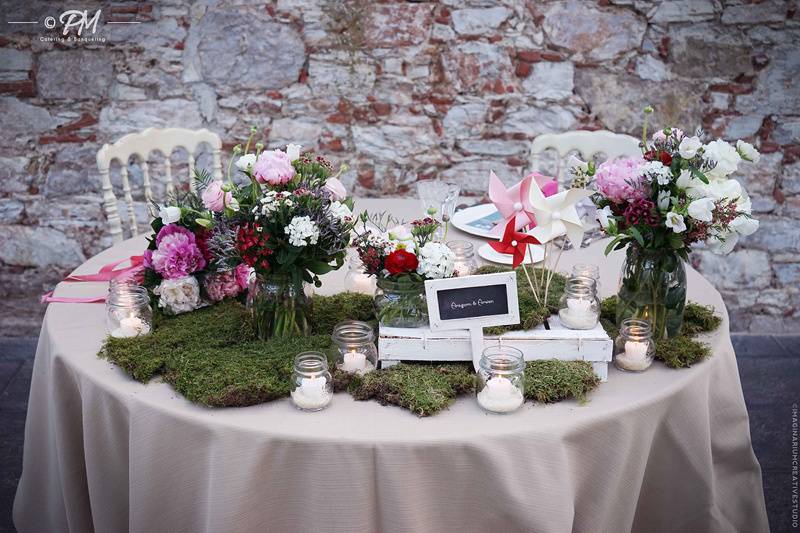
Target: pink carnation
pixel 273 167
pixel 222 285
pixel 619 180
pixel 176 254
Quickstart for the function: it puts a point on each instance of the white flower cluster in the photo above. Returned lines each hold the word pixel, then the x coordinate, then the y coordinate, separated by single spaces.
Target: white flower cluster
pixel 302 231
pixel 339 211
pixel 178 295
pixel 656 171
pixel 436 261
pixel 270 202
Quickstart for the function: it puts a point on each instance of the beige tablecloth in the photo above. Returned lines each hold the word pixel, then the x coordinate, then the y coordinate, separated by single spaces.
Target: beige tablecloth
pixel 667 450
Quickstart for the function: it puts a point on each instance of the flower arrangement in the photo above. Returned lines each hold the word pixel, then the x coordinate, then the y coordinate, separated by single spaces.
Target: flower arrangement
pixel 678 194
pixel 279 221
pixel 402 257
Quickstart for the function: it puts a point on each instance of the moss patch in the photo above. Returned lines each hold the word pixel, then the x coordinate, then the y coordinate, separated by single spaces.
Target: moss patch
pixel 531 312
pixel 679 352
pixel 551 380
pixel 212 357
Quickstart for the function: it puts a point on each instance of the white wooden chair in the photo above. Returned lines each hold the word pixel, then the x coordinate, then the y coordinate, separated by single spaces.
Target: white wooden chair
pixel 587 143
pixel 141 145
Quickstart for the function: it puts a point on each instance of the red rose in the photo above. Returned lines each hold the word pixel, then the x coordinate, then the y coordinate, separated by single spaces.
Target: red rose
pixel 665 158
pixel 400 261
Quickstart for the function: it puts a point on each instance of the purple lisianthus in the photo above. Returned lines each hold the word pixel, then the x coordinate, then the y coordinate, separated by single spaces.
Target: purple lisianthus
pixel 273 167
pixel 177 254
pixel 619 180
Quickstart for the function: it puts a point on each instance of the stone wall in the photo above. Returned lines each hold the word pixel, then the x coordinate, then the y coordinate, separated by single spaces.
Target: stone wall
pixel 401 91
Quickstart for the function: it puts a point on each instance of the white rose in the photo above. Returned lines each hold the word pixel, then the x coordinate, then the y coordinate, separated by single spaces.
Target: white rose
pixel 293 151
pixel 178 295
pixel 724 189
pixel 744 225
pixel 246 162
pixel 722 243
pixel 702 209
pixel 723 156
pixel 693 186
pixel 603 216
pixel 743 204
pixel 169 214
pixel 747 151
pixel 675 221
pixel 689 146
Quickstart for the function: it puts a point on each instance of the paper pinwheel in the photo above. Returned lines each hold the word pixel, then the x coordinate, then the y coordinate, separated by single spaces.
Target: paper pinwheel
pixel 513 204
pixel 514 243
pixel 556 215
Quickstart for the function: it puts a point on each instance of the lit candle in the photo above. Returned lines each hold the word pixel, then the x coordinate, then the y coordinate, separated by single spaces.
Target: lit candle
pixel 312 393
pixel 500 395
pixel 578 314
pixel 131 326
pixel 363 283
pixel 634 357
pixel 354 361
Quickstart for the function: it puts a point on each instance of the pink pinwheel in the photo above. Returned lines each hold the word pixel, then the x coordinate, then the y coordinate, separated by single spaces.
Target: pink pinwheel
pixel 514 243
pixel 513 204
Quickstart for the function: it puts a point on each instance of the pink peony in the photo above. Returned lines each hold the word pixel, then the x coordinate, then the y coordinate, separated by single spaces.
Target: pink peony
pixel 215 199
pixel 176 254
pixel 273 167
pixel 222 285
pixel 243 273
pixel 336 188
pixel 619 180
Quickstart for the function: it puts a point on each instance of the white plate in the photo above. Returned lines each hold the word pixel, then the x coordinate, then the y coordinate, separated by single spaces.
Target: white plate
pixel 490 254
pixel 477 220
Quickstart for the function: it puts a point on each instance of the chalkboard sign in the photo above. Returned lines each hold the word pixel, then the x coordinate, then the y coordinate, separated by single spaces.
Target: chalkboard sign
pixel 473 301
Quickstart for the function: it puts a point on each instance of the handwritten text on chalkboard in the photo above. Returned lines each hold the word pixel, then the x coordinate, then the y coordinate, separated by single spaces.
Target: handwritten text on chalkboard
pixel 471 302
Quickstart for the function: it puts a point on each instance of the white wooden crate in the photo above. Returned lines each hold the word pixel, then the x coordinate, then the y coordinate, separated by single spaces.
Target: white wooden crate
pixel 423 344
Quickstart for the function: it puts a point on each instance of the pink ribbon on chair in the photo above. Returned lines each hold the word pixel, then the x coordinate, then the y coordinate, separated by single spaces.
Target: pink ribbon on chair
pixel 106 273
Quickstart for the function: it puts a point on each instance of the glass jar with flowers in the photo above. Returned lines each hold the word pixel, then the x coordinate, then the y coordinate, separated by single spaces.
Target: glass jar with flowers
pixel 678 194
pixel 402 257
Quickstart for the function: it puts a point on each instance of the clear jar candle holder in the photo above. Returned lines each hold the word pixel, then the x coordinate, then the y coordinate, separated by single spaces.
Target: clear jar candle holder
pixel 355 342
pixel 465 263
pixel 312 383
pixel 579 307
pixel 501 380
pixel 128 312
pixel 634 348
pixel 357 279
pixel 587 270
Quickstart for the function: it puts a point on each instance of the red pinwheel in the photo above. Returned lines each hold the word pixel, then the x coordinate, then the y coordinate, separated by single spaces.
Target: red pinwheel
pixel 514 242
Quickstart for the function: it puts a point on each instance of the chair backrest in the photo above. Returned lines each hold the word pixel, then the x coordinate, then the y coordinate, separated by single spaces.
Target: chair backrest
pixel 141 145
pixel 587 143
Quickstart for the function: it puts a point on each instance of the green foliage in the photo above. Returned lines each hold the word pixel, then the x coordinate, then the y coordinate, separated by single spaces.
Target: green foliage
pixel 552 380
pixel 681 351
pixel 532 313
pixel 330 310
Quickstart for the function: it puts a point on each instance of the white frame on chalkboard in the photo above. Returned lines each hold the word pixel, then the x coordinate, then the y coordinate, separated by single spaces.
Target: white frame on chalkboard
pixel 509 279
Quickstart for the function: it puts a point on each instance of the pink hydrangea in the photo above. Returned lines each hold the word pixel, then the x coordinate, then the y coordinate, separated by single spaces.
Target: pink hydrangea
pixel 273 167
pixel 619 180
pixel 177 254
pixel 222 285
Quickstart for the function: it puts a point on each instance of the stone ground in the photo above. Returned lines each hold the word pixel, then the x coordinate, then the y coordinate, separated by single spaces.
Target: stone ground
pixel 769 366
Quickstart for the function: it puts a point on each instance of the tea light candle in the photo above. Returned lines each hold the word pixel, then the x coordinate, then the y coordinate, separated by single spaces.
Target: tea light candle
pixel 312 393
pixel 578 314
pixel 634 357
pixel 354 361
pixel 131 326
pixel 500 395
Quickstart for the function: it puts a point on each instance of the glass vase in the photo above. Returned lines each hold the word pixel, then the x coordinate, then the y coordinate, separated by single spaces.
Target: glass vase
pixel 279 307
pixel 401 304
pixel 653 287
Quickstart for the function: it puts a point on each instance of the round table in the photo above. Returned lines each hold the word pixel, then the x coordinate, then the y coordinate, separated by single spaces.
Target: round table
pixel 666 450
